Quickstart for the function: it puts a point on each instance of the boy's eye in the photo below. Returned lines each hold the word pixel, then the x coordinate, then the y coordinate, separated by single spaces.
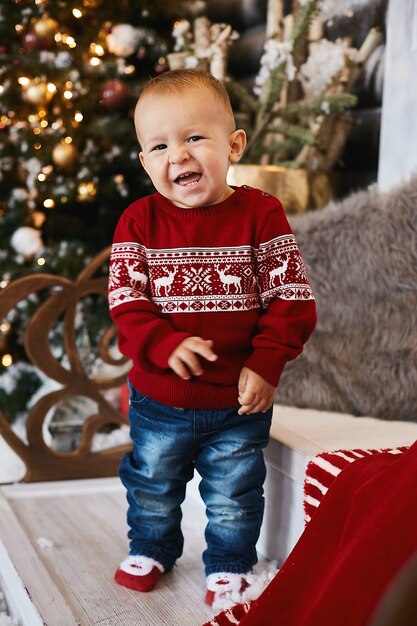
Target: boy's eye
pixel 160 146
pixel 194 138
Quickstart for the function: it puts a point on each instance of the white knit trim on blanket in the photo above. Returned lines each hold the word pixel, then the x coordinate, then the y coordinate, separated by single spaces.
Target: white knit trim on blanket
pixel 332 463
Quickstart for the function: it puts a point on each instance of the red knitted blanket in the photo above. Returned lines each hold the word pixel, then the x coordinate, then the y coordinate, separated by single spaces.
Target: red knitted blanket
pixel 358 539
pixel 325 467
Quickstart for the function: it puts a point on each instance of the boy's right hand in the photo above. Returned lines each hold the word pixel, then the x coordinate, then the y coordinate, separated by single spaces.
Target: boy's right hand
pixel 184 361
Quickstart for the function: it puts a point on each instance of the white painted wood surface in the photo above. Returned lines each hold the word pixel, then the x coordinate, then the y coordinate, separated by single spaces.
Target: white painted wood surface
pixel 35 579
pixel 17 599
pixel 12 468
pixel 312 432
pixel 66 540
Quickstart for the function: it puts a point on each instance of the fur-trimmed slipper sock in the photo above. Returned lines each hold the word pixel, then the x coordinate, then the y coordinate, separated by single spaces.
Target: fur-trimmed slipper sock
pixel 140 573
pixel 224 590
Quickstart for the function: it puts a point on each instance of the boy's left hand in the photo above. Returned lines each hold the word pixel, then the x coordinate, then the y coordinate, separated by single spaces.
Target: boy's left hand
pixel 255 393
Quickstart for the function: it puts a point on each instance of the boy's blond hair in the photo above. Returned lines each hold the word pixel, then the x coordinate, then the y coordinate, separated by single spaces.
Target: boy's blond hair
pixel 178 81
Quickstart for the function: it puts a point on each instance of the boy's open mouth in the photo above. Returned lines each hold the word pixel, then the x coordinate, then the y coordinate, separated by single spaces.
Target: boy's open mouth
pixel 189 178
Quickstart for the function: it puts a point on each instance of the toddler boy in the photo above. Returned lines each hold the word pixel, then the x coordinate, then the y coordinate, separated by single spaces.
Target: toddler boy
pixel 210 295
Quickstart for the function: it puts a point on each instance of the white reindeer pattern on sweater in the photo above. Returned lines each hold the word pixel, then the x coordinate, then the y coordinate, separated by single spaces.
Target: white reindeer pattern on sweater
pixel 208 279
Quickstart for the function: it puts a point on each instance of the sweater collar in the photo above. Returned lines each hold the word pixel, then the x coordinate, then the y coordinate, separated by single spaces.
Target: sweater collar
pixel 234 200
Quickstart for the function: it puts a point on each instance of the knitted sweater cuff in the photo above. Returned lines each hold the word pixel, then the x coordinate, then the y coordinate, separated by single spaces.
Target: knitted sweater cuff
pixel 160 352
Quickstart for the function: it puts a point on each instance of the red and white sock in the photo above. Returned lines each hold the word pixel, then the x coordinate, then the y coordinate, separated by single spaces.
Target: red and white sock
pixel 140 573
pixel 224 589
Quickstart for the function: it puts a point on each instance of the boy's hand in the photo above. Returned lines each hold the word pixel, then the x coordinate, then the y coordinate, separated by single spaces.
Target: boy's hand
pixel 255 393
pixel 184 362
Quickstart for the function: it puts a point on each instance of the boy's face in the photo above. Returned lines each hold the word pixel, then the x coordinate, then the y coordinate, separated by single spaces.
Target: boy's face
pixel 188 143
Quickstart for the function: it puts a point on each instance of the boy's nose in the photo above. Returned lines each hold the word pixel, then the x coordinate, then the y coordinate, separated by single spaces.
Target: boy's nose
pixel 178 155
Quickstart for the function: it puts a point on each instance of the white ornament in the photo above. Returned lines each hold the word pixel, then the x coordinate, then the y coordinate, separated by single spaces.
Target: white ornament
pixel 33 167
pixel 46 58
pixel 123 40
pixel 18 195
pixel 63 59
pixel 27 241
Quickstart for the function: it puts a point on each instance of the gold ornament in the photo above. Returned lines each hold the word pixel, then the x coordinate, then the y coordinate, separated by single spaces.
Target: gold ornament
pixel 38 218
pixel 91 4
pixel 37 93
pixel 64 155
pixel 46 28
pixel 86 191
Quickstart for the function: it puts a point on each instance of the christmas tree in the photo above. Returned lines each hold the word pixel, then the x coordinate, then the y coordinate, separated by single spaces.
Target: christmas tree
pixel 71 71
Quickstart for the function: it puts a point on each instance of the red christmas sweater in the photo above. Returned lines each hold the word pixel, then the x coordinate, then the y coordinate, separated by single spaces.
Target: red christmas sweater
pixel 230 272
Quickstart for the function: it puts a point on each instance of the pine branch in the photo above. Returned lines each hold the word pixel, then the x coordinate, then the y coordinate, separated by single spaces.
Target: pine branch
pixel 254 150
pixel 256 138
pixel 276 82
pixel 278 76
pixel 336 104
pixel 240 92
pixel 307 14
pixel 287 146
pixel 292 131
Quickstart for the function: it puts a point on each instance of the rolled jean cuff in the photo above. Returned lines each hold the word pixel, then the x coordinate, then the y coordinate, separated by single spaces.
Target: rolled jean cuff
pixel 229 568
pixel 155 554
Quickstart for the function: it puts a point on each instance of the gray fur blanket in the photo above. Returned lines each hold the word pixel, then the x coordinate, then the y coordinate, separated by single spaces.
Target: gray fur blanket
pixel 361 257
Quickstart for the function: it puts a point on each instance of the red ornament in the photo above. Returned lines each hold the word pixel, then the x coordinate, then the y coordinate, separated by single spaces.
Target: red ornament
pixel 32 42
pixel 114 95
pixel 160 68
pixel 141 53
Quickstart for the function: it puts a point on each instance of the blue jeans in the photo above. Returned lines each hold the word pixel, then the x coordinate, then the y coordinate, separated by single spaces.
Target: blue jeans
pixel 226 450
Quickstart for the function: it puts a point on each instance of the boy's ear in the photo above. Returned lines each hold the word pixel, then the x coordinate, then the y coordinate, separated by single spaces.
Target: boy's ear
pixel 237 145
pixel 142 160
